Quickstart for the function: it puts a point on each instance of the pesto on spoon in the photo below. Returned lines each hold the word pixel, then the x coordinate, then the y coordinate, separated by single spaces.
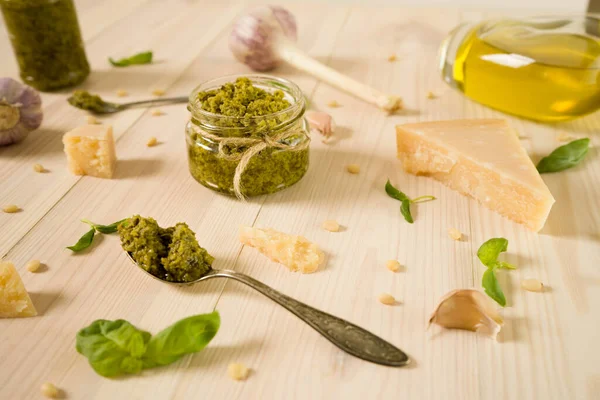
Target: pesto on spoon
pixel 155 250
pixel 85 100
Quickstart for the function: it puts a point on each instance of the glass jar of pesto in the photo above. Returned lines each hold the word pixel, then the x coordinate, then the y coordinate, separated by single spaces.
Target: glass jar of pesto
pixel 47 42
pixel 247 135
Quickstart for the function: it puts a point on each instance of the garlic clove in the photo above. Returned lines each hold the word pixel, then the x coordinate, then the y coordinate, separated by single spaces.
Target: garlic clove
pixel 20 111
pixel 321 121
pixel 468 309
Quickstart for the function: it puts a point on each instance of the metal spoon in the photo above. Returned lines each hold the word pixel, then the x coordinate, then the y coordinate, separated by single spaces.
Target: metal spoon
pixel 110 108
pixel 348 337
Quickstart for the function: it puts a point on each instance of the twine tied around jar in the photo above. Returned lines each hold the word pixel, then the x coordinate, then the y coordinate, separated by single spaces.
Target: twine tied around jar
pixel 254 146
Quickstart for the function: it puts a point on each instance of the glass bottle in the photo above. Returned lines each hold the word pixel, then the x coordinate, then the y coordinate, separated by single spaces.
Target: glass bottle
pixel 47 42
pixel 545 69
pixel 214 158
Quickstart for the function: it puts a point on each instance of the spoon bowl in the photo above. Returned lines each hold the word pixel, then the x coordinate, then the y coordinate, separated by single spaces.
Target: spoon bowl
pixel 111 108
pixel 345 335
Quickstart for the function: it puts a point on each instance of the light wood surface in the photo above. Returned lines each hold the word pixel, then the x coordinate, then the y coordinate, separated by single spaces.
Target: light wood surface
pixel 548 348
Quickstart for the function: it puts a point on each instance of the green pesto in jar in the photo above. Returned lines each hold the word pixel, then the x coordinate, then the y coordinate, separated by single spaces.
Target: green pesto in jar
pixel 172 254
pixel 255 113
pixel 86 101
pixel 47 42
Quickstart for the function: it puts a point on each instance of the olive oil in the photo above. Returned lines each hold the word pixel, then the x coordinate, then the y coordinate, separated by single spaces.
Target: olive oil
pixel 538 69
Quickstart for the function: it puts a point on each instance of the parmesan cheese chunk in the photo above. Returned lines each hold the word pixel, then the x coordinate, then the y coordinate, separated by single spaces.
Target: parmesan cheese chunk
pixel 481 158
pixel 91 151
pixel 14 299
pixel 295 252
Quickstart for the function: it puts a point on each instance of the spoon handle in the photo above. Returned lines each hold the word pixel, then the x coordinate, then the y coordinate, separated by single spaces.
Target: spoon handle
pixel 350 338
pixel 155 102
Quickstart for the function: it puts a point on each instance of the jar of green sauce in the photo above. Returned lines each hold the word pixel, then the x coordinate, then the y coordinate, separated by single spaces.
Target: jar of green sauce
pixel 47 42
pixel 247 135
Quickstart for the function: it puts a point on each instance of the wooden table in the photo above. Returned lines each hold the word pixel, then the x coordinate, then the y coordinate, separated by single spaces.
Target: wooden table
pixel 548 348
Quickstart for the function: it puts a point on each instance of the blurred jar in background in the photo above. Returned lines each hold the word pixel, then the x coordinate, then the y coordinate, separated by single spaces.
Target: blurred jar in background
pixel 47 42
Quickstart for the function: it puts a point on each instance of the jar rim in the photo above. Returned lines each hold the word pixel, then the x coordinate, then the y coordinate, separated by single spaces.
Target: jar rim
pixel 283 84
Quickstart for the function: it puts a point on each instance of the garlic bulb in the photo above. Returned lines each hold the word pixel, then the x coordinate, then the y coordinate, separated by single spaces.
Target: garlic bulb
pixel 265 36
pixel 253 34
pixel 468 309
pixel 20 111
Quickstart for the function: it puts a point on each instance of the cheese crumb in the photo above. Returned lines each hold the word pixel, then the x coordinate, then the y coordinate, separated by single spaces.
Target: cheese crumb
pixel 158 92
pixel 393 265
pixel 455 234
pixel 392 58
pixel 532 285
pixel 353 168
pixel 331 226
pixel 92 120
pixel 11 208
pixel 295 252
pixel 238 371
pixel 157 113
pixel 564 137
pixel 33 265
pixel 152 142
pixel 122 93
pixel 49 390
pixel 387 299
pixel 334 104
pixel 431 95
pixel 39 168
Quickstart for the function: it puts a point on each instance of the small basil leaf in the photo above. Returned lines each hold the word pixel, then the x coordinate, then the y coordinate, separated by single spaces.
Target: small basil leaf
pixel 113 348
pixel 492 287
pixel 405 210
pixel 489 251
pixel 107 229
pixel 564 157
pixel 394 193
pixel 189 335
pixel 84 242
pixel 140 58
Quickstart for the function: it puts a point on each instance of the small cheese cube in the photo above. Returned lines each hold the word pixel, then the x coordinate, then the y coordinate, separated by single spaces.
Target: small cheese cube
pixel 91 150
pixel 14 299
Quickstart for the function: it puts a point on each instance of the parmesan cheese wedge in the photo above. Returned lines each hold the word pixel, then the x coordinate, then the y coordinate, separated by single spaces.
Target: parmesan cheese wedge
pixel 295 252
pixel 90 151
pixel 14 299
pixel 481 158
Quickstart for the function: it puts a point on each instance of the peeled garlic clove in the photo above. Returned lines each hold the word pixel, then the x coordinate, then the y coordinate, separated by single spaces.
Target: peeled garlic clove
pixel 470 310
pixel 20 111
pixel 321 121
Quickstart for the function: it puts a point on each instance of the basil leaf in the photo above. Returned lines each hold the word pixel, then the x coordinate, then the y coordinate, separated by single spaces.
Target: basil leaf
pixel 394 193
pixel 84 242
pixel 405 210
pixel 564 157
pixel 492 287
pixel 489 251
pixel 140 58
pixel 106 229
pixel 113 347
pixel 189 335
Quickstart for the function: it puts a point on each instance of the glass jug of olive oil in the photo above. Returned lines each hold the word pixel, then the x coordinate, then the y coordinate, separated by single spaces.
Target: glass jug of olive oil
pixel 545 69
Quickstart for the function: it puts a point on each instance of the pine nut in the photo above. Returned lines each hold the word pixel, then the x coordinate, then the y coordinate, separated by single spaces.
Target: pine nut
pixel 238 371
pixel 393 265
pixel 353 168
pixel 11 208
pixel 454 234
pixel 334 104
pixel 158 92
pixel 387 299
pixel 49 390
pixel 331 226
pixel 39 168
pixel 33 265
pixel 157 113
pixel 532 285
pixel 152 142
pixel 122 93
